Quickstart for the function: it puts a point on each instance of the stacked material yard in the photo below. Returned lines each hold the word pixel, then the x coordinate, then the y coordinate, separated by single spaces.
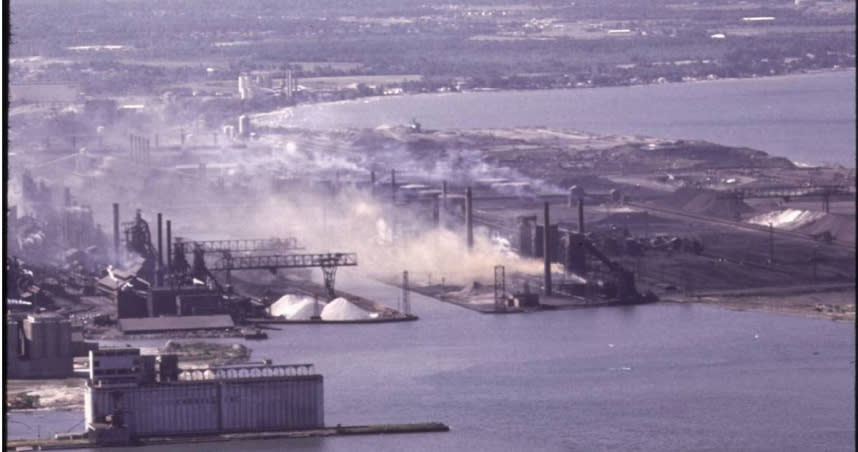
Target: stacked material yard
pixel 342 309
pixel 838 226
pixel 788 219
pixel 841 227
pixel 295 307
pixel 707 202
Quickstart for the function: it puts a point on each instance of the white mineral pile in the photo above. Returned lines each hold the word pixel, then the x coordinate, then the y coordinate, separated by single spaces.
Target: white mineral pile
pixel 788 219
pixel 342 309
pixel 295 307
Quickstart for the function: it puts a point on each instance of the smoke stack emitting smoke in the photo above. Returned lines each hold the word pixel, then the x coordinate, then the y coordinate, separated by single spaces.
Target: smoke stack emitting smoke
pixel 348 222
pixel 354 222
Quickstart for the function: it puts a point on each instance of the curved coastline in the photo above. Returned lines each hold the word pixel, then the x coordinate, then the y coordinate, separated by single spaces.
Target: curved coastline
pixel 730 131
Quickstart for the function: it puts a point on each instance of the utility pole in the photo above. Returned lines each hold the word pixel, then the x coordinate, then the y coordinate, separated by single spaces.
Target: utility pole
pixel 771 244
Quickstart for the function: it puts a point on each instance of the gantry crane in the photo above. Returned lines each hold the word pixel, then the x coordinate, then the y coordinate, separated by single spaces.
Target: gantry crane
pixel 242 255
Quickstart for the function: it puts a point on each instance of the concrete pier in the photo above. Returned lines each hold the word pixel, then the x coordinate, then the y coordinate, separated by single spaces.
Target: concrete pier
pixel 78 442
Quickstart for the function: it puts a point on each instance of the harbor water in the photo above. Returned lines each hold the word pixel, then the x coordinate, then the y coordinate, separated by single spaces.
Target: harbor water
pixel 652 377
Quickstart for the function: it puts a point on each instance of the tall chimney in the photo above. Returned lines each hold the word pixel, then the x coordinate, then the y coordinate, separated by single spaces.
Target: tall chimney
pixel 160 262
pixel 546 251
pixel 169 248
pixel 469 218
pixel 436 211
pixel 67 197
pixel 116 234
pixel 156 141
pixel 393 184
pixel 580 215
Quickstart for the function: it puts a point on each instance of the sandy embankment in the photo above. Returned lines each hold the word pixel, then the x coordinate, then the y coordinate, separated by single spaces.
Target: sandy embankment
pixel 826 304
pixel 53 394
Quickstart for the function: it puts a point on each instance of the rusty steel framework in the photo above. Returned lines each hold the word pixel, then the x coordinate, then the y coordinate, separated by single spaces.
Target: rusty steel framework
pixel 248 245
pixel 239 255
pixel 322 260
pixel 500 288
pixel 826 192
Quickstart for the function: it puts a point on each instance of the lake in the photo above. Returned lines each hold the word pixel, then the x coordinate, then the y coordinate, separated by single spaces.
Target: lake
pixel 808 118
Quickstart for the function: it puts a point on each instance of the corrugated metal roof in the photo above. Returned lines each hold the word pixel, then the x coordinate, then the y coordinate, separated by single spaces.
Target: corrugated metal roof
pixel 184 323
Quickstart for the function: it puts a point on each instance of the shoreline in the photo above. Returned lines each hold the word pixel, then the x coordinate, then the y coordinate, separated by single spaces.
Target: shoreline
pixel 367 99
pixel 298 117
pixel 836 305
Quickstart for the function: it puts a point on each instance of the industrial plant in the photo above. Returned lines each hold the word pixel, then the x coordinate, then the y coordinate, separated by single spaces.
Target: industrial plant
pixel 169 216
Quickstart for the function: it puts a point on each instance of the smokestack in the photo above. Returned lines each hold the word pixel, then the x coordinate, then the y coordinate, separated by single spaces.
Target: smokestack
pixel 160 262
pixel 393 184
pixel 469 218
pixel 580 215
pixel 67 197
pixel 436 211
pixel 182 136
pixel 546 251
pixel 169 248
pixel 74 142
pixel 148 151
pixel 444 189
pixel 116 234
pixel 156 141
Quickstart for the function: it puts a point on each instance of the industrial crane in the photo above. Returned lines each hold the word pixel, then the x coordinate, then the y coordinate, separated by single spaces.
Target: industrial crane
pixel 624 279
pixel 242 255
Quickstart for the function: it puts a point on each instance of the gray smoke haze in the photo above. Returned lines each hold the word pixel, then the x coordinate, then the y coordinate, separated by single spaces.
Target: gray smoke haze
pixel 353 222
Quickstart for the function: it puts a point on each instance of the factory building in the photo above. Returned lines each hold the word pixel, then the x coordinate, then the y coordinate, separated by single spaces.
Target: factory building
pixel 39 346
pixel 129 396
pixel 251 85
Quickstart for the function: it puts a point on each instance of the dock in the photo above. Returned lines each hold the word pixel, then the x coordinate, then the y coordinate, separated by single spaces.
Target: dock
pixel 281 321
pixel 339 430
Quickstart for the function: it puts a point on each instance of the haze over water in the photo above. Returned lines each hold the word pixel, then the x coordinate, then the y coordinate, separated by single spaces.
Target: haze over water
pixel 807 118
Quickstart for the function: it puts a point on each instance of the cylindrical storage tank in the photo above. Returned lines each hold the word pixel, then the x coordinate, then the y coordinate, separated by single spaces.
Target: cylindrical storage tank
pixel 244 125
